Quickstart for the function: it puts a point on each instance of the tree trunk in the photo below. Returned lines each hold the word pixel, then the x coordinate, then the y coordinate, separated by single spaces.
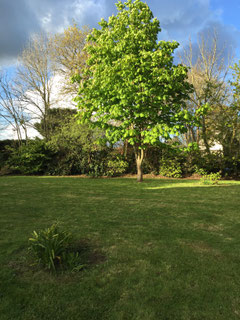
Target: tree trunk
pixel 125 149
pixel 204 136
pixel 139 158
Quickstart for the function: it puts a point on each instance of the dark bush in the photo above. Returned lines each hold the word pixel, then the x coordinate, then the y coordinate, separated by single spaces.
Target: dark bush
pixel 31 158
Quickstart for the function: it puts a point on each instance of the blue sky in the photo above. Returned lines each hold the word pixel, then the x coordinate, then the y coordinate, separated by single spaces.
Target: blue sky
pixel 179 19
pixel 229 11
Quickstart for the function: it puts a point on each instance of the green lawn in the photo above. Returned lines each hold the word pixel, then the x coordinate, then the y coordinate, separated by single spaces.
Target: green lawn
pixel 163 249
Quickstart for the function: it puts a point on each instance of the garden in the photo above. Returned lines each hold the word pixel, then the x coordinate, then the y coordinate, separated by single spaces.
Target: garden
pixel 125 203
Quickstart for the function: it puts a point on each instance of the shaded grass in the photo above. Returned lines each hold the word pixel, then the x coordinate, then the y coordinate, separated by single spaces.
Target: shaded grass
pixel 171 249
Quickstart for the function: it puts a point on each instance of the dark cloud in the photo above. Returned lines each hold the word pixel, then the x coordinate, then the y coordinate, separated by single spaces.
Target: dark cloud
pixel 224 36
pixel 17 22
pixel 181 16
pixel 19 19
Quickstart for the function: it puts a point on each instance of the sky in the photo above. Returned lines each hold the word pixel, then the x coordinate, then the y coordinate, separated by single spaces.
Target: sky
pixel 179 20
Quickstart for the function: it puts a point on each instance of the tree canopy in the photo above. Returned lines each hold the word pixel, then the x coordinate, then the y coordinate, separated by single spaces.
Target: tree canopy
pixel 131 87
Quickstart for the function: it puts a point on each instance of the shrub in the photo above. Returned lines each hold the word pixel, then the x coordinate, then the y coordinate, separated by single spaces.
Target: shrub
pixel 212 178
pixel 51 249
pixel 152 159
pixel 32 158
pixel 77 150
pixel 116 167
pixel 96 170
pixel 200 171
pixel 170 168
pixel 5 170
pixel 6 147
pixel 231 167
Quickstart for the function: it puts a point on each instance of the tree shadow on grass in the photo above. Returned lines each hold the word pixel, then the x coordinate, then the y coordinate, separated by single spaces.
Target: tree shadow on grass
pixel 89 252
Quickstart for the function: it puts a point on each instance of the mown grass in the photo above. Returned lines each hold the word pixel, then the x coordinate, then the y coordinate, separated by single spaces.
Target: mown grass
pixel 163 249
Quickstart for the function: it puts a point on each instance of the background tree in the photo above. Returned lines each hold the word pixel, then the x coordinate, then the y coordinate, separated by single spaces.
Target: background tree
pixel 208 68
pixel 226 128
pixel 43 77
pixel 133 90
pixel 68 55
pixel 228 123
pixel 12 113
pixel 35 78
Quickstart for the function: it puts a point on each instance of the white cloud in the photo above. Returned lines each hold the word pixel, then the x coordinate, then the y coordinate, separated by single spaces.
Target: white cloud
pixel 10 133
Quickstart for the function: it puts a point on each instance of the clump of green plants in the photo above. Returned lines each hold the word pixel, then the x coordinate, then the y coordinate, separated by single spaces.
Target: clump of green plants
pixel 116 167
pixel 170 168
pixel 51 248
pixel 211 179
pixel 200 171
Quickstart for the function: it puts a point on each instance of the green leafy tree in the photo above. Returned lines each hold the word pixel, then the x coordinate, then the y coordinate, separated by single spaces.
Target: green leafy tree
pixel 131 88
